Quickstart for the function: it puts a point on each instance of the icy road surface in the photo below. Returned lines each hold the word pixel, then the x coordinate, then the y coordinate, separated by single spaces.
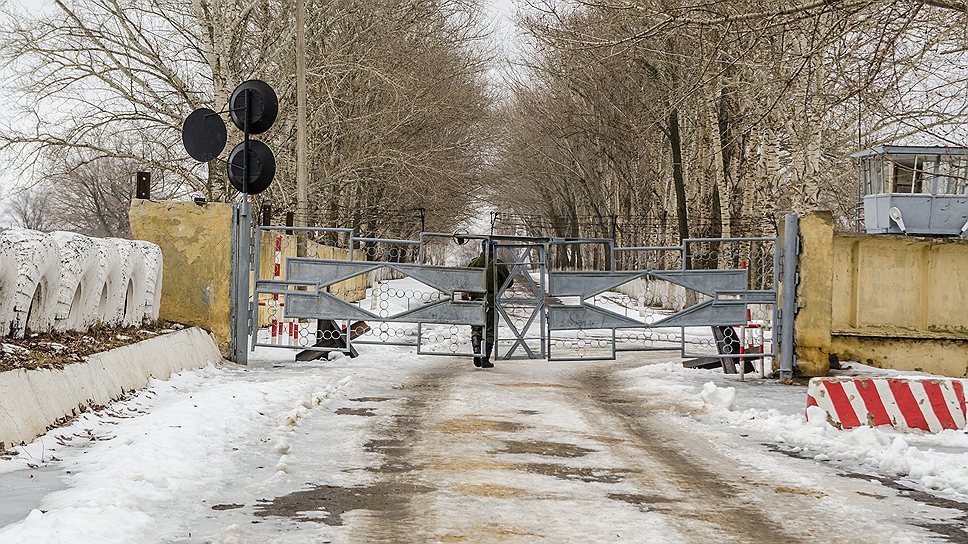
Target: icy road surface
pixel 392 447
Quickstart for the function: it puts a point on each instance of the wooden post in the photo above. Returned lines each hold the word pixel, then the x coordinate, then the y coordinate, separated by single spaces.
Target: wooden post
pixel 302 198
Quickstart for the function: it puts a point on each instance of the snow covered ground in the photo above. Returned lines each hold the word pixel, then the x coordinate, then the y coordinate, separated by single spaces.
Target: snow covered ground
pixel 774 414
pixel 394 447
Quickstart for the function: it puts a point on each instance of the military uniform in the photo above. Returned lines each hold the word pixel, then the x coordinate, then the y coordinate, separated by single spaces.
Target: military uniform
pixel 496 273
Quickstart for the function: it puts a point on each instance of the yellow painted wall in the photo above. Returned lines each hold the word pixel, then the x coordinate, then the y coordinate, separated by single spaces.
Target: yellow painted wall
pixel 196 243
pixel 895 301
pixel 814 294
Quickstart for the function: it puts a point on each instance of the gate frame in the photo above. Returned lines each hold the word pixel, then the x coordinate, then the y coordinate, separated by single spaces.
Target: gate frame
pixel 522 266
pixel 246 256
pixel 744 297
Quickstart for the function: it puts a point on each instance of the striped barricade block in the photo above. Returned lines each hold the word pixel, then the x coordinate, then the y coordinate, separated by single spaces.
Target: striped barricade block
pixel 929 404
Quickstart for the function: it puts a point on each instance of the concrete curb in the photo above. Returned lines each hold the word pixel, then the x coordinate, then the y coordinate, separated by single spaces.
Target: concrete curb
pixel 931 404
pixel 31 401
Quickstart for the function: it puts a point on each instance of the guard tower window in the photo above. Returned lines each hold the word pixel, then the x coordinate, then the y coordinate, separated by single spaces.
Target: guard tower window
pixel 914 170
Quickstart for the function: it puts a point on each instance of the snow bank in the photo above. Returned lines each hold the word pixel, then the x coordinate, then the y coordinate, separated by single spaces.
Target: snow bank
pixel 719 397
pixel 134 485
pixel 770 412
pixel 66 281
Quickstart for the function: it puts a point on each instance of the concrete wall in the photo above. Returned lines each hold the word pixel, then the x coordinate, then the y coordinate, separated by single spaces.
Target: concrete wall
pixel 813 294
pixel 196 241
pixel 889 301
pixel 31 401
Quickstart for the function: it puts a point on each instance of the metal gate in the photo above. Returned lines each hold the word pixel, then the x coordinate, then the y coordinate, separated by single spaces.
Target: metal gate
pixel 520 301
pixel 661 298
pixel 325 289
pixel 347 290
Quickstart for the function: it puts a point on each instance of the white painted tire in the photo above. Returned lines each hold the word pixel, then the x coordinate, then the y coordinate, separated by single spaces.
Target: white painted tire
pixel 154 261
pixel 8 285
pixel 65 281
pixel 129 309
pixel 106 293
pixel 38 280
pixel 79 270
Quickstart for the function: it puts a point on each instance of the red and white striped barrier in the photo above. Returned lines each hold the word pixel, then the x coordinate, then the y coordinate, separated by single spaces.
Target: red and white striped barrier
pixel 929 404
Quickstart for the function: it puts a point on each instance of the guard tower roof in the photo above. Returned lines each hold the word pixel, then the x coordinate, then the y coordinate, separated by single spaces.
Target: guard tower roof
pixel 910 150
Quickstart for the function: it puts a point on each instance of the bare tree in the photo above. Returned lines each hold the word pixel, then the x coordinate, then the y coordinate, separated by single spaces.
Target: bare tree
pixel 31 209
pixel 98 75
pixel 397 97
pixel 678 117
pixel 93 198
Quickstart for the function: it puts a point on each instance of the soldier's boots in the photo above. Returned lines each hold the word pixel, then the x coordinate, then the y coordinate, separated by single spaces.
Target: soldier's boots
pixel 476 344
pixel 486 362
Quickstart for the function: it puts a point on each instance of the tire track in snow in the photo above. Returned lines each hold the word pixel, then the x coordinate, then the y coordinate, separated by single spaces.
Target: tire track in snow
pixel 705 499
pixel 400 469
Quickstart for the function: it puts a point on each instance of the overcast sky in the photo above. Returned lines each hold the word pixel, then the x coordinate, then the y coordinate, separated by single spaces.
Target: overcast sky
pixel 33 5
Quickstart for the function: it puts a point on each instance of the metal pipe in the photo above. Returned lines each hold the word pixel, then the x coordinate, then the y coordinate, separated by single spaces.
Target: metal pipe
pixel 388 241
pixel 255 294
pixel 742 239
pixel 649 248
pixel 315 229
pixel 774 340
pixel 791 251
pixel 242 264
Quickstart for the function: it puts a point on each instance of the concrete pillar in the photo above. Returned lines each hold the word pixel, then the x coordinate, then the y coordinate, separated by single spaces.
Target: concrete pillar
pixel 196 242
pixel 815 294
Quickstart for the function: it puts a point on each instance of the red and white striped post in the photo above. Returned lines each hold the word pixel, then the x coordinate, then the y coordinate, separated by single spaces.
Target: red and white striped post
pixel 276 274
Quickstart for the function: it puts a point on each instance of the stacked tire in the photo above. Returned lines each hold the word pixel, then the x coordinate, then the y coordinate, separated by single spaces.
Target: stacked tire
pixel 64 281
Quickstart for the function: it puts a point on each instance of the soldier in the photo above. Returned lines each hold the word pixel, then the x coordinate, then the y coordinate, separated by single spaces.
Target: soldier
pixel 497 273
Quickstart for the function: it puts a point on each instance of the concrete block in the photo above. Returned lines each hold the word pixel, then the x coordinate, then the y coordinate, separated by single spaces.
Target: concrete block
pixel 931 404
pixel 31 401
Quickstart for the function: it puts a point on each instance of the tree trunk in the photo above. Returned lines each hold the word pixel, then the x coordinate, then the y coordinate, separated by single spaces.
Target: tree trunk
pixel 675 140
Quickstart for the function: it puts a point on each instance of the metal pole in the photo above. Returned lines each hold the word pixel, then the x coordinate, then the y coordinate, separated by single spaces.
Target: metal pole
pixel 257 268
pixel 791 252
pixel 775 317
pixel 542 259
pixel 245 146
pixel 242 251
pixel 234 283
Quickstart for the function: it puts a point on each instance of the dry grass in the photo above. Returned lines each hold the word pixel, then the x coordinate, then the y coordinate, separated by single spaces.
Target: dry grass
pixel 57 349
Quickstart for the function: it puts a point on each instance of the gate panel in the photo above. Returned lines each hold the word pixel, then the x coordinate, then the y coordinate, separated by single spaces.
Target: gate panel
pixel 710 285
pixel 520 309
pixel 408 303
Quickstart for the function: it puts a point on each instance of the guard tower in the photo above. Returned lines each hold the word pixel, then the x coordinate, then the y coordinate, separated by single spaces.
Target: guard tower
pixel 914 190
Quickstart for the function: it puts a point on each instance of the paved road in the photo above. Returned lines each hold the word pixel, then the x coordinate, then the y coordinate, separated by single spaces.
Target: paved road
pixel 545 452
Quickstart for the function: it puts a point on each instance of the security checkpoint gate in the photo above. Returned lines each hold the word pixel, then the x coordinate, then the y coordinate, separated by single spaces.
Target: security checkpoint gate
pixel 708 296
pixel 710 286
